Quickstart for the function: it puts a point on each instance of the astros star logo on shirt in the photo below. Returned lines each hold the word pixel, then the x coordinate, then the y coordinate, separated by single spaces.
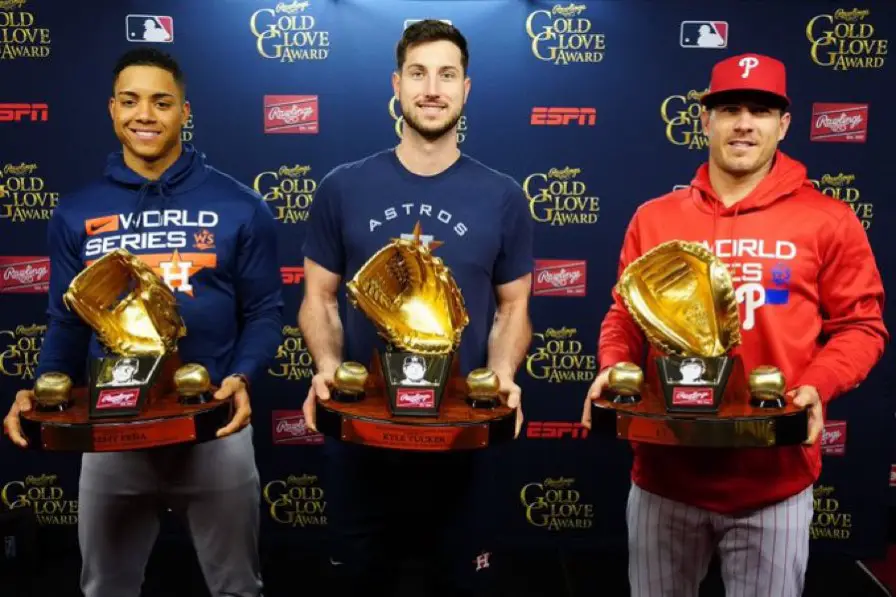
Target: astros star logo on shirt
pixel 427 240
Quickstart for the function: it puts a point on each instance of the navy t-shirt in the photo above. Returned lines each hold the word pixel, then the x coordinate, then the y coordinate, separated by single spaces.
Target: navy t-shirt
pixel 474 218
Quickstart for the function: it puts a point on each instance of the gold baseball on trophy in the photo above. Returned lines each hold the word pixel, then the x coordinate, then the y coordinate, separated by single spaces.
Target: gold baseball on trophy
pixel 626 379
pixel 52 389
pixel 350 377
pixel 192 380
pixel 767 382
pixel 483 383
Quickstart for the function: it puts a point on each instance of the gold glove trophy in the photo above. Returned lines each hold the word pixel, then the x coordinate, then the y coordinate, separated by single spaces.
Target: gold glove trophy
pixel 138 395
pixel 413 397
pixel 682 298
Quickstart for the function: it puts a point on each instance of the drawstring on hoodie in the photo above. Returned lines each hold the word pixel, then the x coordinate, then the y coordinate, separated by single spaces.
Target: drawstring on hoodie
pixel 161 188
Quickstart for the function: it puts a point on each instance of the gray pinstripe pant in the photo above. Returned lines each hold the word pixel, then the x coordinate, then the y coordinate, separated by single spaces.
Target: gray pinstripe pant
pixel 763 553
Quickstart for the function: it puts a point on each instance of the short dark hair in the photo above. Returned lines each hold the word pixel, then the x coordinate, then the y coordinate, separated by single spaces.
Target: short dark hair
pixel 151 57
pixel 430 30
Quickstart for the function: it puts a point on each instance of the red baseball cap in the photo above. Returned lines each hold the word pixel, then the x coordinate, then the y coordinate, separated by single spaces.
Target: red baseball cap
pixel 748 72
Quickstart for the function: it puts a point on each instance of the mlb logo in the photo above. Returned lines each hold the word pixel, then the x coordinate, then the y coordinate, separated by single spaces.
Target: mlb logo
pixel 409 22
pixel 704 34
pixel 149 28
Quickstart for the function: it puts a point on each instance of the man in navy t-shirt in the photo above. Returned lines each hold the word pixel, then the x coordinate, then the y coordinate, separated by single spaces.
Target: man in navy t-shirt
pixel 476 220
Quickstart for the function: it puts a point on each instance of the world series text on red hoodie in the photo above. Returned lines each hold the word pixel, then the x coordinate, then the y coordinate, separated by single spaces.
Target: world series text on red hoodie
pixel 810 299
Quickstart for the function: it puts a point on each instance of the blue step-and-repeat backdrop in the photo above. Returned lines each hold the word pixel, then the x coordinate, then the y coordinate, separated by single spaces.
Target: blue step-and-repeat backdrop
pixel 591 106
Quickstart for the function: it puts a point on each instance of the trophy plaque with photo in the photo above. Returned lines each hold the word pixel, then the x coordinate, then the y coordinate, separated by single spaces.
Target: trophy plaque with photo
pixel 138 394
pixel 413 396
pixel 698 393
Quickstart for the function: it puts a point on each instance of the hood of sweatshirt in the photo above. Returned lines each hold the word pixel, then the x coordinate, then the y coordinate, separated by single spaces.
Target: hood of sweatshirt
pixel 786 177
pixel 186 173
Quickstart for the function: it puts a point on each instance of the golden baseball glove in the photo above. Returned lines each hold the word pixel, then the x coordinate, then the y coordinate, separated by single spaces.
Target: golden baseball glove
pixel 131 309
pixel 411 297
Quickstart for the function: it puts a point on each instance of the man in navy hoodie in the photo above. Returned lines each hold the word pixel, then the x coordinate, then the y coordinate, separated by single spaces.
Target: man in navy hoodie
pixel 385 505
pixel 213 241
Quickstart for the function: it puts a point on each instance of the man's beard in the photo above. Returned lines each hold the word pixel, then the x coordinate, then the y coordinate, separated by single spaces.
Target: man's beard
pixel 430 134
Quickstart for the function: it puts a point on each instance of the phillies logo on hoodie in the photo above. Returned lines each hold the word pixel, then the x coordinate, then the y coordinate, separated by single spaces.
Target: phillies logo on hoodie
pixel 760 270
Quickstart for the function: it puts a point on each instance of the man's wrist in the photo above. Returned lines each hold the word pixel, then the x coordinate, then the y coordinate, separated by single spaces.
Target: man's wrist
pixel 328 367
pixel 242 377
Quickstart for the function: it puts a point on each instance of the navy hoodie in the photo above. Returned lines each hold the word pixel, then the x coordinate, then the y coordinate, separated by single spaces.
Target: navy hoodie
pixel 211 238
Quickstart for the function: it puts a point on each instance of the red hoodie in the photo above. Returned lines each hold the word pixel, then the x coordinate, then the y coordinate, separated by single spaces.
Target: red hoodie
pixel 803 272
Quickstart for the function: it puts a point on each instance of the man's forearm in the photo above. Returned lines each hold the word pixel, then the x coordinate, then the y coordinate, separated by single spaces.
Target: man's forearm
pixel 322 332
pixel 509 340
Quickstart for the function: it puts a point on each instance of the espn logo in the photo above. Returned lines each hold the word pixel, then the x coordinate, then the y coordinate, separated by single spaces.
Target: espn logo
pixel 562 116
pixel 555 430
pixel 292 274
pixel 20 112
pixel 559 277
pixel 149 28
pixel 833 438
pixel 839 123
pixel 291 114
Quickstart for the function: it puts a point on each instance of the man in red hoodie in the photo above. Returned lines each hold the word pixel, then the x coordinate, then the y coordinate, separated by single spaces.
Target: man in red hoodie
pixel 810 300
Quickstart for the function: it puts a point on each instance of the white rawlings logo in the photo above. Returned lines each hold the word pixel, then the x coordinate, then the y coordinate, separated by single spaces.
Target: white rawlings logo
pixel 295 428
pixel 290 116
pixel 26 275
pixel 120 398
pixel 417 399
pixel 559 279
pixel 839 124
pixel 831 437
pixel 692 396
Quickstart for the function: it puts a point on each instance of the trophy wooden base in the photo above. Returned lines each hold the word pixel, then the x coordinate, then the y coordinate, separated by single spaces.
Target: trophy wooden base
pixel 134 415
pixel 368 419
pixel 736 423
pixel 165 421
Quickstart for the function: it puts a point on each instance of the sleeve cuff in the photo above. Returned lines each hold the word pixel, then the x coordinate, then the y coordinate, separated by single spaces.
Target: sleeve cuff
pixel 245 371
pixel 822 380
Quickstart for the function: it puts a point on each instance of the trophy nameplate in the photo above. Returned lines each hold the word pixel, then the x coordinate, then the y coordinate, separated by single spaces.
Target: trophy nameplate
pixel 138 395
pixel 698 393
pixel 413 396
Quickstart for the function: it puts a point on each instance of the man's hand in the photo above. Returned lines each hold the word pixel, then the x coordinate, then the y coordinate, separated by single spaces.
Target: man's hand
pixel 807 396
pixel 11 424
pixel 234 386
pixel 597 388
pixel 512 395
pixel 320 388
